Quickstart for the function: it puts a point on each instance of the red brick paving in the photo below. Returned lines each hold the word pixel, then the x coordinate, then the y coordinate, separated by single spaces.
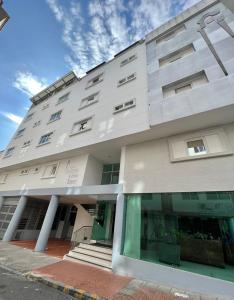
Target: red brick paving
pixel 55 247
pixel 88 278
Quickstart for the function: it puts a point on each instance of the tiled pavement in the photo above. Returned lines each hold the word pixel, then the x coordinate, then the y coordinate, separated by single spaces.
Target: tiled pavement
pixel 55 247
pixel 83 280
pixel 108 285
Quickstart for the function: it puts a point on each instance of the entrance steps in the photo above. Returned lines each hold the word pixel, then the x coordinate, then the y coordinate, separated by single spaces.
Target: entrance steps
pixel 92 254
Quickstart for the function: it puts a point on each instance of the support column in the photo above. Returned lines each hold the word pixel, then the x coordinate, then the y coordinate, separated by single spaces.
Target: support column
pixel 1 202
pixel 47 224
pixel 15 219
pixel 117 241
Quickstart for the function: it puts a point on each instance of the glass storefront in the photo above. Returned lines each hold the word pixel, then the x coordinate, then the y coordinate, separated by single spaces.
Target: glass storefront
pixel 189 231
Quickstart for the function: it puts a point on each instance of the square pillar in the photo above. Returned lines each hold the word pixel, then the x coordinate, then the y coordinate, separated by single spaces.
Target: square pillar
pixel 15 219
pixel 1 202
pixel 117 241
pixel 47 224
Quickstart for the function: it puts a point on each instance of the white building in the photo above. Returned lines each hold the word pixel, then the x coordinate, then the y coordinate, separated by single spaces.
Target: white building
pixel 137 154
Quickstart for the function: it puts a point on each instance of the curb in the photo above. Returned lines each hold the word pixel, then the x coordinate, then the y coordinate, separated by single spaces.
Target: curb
pixel 76 293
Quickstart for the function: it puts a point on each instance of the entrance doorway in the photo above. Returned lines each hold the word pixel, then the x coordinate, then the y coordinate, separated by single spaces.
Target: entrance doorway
pixel 103 225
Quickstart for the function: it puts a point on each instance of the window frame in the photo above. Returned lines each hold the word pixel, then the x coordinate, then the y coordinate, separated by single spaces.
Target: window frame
pixel 20 133
pixel 49 141
pixel 95 100
pixel 124 106
pixel 80 122
pixel 56 164
pixel 65 96
pixel 9 152
pixel 59 113
pixel 128 60
pixel 127 79
pixel 91 82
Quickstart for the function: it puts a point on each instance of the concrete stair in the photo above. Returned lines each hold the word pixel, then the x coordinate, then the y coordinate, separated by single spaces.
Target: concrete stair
pixel 89 253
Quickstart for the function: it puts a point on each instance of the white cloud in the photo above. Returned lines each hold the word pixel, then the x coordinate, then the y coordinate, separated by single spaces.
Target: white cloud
pixel 109 26
pixel 12 117
pixel 28 83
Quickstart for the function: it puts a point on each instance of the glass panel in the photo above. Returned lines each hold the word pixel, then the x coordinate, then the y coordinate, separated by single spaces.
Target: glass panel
pixel 107 168
pixel 106 178
pixel 115 178
pixel 175 228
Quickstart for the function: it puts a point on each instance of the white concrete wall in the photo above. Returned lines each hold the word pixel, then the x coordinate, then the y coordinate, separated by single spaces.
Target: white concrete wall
pixel 93 171
pixel 105 124
pixel 83 218
pixel 219 90
pixel 148 168
pixel 70 172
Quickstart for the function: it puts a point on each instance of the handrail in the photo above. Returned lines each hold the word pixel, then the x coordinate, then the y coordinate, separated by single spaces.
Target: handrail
pixel 80 229
pixel 75 234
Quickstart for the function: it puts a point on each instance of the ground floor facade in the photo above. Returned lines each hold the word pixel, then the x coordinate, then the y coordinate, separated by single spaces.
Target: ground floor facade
pixel 164 208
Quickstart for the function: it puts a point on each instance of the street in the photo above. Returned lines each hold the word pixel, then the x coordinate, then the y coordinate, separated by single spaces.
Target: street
pixel 13 286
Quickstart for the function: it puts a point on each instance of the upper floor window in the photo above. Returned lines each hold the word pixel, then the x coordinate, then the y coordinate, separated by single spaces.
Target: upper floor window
pixel 29 117
pixel 171 34
pixel 110 174
pixel 196 147
pixel 50 171
pixel 127 79
pixel 9 152
pixel 20 133
pixel 128 60
pixel 3 178
pixel 89 100
pixel 24 172
pixel 63 98
pixel 185 84
pixel 172 57
pixel 55 116
pixel 82 126
pixel 26 144
pixel 45 106
pixel 45 139
pixel 37 123
pixel 199 145
pixel 95 80
pixel 129 104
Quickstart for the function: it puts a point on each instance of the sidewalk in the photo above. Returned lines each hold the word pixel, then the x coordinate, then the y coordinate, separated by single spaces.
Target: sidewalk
pixel 84 281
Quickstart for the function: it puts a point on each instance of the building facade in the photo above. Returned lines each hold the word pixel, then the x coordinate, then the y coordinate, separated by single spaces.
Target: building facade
pixel 136 156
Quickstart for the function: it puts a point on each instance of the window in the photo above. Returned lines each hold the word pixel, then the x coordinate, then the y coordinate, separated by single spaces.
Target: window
pixel 9 152
pixel 82 126
pixel 29 117
pixel 50 171
pixel 26 144
pixel 128 60
pixel 199 145
pixel 36 123
pixel 56 116
pixel 127 79
pixel 124 106
pixel 171 34
pixel 45 139
pixel 110 174
pixel 24 172
pixel 20 133
pixel 89 100
pixel 45 106
pixel 3 178
pixel 63 98
pixel 188 235
pixel 196 147
pixel 172 57
pixel 185 84
pixel 95 80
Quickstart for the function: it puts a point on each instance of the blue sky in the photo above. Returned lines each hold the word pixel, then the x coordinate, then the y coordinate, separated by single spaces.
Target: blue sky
pixel 45 39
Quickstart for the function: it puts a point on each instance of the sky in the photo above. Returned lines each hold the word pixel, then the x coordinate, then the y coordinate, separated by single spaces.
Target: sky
pixel 45 39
